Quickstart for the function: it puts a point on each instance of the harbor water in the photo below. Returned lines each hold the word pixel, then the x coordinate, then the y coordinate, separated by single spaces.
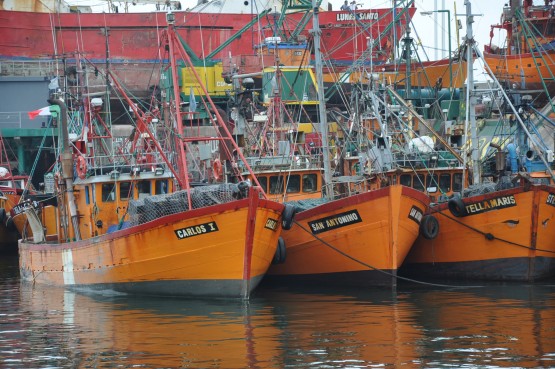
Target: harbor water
pixel 416 326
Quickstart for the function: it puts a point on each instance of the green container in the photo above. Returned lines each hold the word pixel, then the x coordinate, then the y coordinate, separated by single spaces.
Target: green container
pixel 452 107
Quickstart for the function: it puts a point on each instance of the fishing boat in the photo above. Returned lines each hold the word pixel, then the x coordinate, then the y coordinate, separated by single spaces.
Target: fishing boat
pixel 128 219
pixel 435 73
pixel 526 60
pixel 12 187
pixel 342 233
pixel 38 40
pixel 407 71
pixel 498 229
pixel 8 235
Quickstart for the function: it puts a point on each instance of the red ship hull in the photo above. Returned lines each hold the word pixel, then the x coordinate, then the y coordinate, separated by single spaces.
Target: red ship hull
pixel 134 37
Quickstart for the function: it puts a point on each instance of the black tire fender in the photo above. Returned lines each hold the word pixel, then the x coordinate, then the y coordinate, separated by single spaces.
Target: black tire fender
pixel 281 252
pixel 457 207
pixel 429 227
pixel 287 216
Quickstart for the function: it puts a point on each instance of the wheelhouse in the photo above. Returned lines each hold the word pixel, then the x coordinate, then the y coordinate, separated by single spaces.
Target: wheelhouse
pixel 291 185
pixel 103 200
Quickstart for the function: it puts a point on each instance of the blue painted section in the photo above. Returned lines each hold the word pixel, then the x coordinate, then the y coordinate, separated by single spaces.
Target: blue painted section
pixel 513 161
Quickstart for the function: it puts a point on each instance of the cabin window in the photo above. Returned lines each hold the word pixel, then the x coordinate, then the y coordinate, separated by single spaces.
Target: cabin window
pixel 276 185
pixel 542 181
pixel 457 182
pixel 161 187
pixel 263 183
pixel 445 183
pixel 310 183
pixel 87 195
pixel 294 184
pixel 143 188
pixel 406 180
pixel 108 192
pixel 125 191
pixel 418 183
pixel 431 183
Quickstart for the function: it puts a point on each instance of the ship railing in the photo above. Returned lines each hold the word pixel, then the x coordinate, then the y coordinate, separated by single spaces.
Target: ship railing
pixel 11 119
pixel 125 163
pixel 283 163
pixel 20 120
pixel 417 160
pixel 28 68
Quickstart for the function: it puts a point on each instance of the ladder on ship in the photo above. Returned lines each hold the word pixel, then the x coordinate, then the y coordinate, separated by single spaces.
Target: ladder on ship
pixel 540 58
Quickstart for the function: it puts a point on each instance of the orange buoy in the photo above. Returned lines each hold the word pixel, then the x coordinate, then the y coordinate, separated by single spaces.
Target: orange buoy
pixel 81 167
pixel 217 169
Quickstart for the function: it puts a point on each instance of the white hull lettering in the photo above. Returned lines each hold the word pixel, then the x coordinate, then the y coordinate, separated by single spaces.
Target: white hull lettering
pixel 271 224
pixel 491 204
pixel 364 16
pixel 334 221
pixel 416 214
pixel 196 230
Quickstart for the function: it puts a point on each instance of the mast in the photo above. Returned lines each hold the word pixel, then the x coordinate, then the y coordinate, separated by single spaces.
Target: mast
pixel 183 178
pixel 67 165
pixel 471 98
pixel 321 102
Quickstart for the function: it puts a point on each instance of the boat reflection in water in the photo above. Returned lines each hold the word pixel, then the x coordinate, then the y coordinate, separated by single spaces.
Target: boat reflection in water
pixel 283 328
pixel 495 327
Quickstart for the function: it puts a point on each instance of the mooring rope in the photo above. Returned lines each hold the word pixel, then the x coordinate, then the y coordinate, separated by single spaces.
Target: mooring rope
pixel 377 269
pixel 490 236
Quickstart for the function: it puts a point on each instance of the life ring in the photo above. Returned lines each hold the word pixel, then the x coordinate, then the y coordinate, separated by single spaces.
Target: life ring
pixel 457 207
pixel 217 169
pixel 429 227
pixel 81 167
pixel 287 216
pixel 281 252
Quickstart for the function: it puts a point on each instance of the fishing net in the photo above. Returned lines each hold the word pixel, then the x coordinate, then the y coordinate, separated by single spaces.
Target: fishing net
pixel 306 204
pixel 153 207
pixel 480 189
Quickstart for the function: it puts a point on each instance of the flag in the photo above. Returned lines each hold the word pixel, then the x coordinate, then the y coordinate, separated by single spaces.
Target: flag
pixel 42 111
pixel 53 85
pixel 192 101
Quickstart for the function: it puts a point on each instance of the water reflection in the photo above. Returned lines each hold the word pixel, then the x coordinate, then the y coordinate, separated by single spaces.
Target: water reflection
pixel 503 326
pixel 97 331
pixel 494 327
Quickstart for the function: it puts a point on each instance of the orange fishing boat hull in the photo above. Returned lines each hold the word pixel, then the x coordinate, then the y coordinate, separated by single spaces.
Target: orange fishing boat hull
pixel 423 75
pixel 358 240
pixel 426 74
pixel 520 70
pixel 218 251
pixel 507 235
